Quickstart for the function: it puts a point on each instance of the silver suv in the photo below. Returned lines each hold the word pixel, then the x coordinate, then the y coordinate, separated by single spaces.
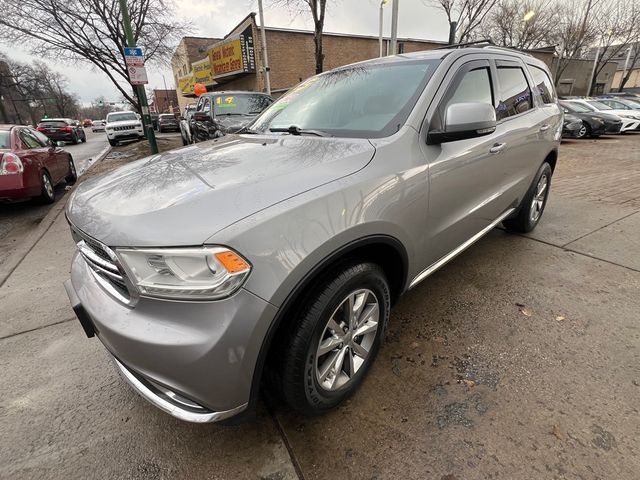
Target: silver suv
pixel 277 253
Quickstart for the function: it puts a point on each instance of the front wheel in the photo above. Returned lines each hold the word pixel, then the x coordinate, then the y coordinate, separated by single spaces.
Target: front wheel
pixel 73 175
pixel 335 340
pixel 47 193
pixel 113 143
pixel 583 131
pixel 533 203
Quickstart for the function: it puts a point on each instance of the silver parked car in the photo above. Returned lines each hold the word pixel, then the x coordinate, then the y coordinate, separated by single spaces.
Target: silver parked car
pixel 281 250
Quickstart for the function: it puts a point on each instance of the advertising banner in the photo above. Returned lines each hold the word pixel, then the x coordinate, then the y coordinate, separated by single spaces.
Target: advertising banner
pixel 233 56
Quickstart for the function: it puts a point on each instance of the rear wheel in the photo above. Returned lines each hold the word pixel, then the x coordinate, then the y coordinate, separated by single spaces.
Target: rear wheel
pixel 47 194
pixel 73 175
pixel 74 139
pixel 533 203
pixel 332 346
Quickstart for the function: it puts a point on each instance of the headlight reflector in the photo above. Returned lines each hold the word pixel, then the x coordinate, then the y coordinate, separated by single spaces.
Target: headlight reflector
pixel 208 273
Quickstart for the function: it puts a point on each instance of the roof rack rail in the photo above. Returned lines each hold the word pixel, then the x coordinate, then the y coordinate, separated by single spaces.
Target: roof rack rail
pixel 484 43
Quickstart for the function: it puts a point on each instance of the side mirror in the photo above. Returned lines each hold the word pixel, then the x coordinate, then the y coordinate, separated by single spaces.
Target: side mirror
pixel 465 120
pixel 201 116
pixel 59 144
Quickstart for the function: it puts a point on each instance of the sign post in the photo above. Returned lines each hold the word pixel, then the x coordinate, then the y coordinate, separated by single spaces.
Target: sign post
pixel 137 75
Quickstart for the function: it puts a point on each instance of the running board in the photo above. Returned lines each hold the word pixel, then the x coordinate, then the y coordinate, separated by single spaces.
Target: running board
pixel 454 253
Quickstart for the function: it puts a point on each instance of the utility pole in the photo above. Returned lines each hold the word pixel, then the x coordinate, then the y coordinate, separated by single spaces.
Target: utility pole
pixel 263 44
pixel 593 72
pixel 142 95
pixel 380 39
pixel 394 27
pixel 626 64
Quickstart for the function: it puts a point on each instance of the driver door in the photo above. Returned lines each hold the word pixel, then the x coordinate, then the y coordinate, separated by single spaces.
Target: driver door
pixel 466 177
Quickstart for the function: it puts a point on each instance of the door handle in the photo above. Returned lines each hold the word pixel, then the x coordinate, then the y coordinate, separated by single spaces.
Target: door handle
pixel 497 147
pixel 545 127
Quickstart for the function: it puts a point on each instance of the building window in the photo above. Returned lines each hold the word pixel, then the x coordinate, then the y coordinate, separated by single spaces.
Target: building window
pixel 400 47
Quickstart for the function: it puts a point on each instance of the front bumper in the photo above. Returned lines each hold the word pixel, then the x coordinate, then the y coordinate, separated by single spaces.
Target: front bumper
pixel 194 360
pixel 629 124
pixel 125 134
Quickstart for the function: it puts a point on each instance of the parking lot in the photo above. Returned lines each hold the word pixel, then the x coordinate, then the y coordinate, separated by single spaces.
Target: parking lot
pixel 518 360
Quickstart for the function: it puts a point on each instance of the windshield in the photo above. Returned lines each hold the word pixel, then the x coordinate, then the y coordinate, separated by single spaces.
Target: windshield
pixel 576 107
pixel 243 104
pixel 633 104
pixel 5 139
pixel 122 117
pixel 599 105
pixel 167 116
pixel 366 101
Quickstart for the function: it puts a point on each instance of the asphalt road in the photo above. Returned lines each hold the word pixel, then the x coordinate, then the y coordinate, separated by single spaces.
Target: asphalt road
pixel 18 219
pixel 520 359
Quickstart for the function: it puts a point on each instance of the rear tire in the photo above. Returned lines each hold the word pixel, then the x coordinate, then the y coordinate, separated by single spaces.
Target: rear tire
pixel 74 139
pixel 73 175
pixel 323 359
pixel 533 203
pixel 47 194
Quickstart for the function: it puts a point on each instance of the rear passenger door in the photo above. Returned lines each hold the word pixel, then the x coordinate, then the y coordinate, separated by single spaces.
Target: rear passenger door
pixel 467 178
pixel 521 125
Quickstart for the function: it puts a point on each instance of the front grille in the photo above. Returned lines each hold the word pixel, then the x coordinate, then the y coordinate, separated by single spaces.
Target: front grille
pixel 126 127
pixel 105 266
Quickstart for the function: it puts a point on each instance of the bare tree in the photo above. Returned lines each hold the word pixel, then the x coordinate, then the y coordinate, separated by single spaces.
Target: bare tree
pixel 507 24
pixel 318 9
pixel 576 31
pixel 634 59
pixel 54 87
pixel 464 16
pixel 616 26
pixel 91 31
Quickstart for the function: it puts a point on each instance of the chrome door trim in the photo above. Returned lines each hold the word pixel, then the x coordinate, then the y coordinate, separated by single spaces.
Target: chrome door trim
pixel 453 253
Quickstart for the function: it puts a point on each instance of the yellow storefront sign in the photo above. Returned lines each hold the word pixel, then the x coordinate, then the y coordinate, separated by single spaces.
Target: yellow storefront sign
pixel 226 58
pixel 186 83
pixel 202 72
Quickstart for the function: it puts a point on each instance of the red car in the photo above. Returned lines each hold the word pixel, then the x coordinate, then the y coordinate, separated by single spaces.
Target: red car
pixel 31 165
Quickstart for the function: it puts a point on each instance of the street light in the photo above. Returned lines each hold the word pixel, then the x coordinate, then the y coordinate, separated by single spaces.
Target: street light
pixel 529 15
pixel 382 4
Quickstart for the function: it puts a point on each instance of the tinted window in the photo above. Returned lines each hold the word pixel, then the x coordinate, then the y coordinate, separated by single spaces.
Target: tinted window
pixel 53 124
pixel 576 107
pixel 542 85
pixel 42 138
pixel 365 100
pixel 598 105
pixel 475 86
pixel 121 117
pixel 167 116
pixel 515 96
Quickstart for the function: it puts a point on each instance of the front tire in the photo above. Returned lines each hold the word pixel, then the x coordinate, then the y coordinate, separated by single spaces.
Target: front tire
pixel 584 131
pixel 113 143
pixel 47 194
pixel 533 203
pixel 336 339
pixel 73 175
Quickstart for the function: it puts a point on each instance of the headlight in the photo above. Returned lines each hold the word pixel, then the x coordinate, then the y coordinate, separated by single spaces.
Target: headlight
pixel 208 273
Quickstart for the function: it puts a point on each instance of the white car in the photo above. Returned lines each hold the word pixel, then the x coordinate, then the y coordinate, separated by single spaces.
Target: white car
pixel 123 126
pixel 98 126
pixel 630 118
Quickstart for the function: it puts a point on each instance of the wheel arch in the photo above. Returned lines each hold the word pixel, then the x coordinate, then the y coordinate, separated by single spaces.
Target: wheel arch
pixel 552 159
pixel 385 250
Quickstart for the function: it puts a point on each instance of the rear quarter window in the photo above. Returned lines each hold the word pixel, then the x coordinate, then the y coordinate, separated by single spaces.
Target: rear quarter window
pixel 542 85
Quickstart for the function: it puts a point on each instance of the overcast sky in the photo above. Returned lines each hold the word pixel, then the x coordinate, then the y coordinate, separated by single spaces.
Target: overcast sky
pixel 215 18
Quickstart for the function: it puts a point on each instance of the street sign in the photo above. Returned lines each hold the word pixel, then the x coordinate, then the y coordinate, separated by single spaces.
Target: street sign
pixel 137 75
pixel 134 58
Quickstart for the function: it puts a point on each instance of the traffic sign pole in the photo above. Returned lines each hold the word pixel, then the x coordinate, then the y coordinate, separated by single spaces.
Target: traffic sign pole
pixel 142 95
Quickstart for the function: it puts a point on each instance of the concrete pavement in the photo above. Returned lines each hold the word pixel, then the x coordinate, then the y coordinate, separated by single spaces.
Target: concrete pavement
pixel 519 359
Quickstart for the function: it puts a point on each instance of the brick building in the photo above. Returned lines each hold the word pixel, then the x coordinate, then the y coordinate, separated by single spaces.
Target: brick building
pixel 165 101
pixel 291 57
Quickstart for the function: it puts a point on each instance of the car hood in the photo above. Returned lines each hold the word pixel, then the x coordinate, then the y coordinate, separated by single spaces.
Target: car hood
pixel 234 123
pixel 602 115
pixel 184 196
pixel 124 123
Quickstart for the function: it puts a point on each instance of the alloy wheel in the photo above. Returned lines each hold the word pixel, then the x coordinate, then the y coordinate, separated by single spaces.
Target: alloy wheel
pixel 347 339
pixel 539 197
pixel 583 131
pixel 46 182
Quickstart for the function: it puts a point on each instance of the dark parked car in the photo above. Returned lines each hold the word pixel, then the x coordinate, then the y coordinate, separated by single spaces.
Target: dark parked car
pixel 571 126
pixel 219 113
pixel 594 124
pixel 168 122
pixel 62 130
pixel 31 164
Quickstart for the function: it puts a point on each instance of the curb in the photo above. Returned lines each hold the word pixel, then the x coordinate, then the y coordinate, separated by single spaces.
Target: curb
pixel 19 253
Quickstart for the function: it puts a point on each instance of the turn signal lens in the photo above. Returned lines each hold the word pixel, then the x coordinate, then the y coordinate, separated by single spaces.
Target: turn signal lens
pixel 232 261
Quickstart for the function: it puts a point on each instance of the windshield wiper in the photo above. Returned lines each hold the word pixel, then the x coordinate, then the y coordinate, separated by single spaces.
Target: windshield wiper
pixel 230 113
pixel 295 130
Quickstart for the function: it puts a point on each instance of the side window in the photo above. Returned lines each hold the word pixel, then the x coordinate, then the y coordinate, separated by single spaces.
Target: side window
pixel 206 105
pixel 515 95
pixel 475 86
pixel 29 141
pixel 41 138
pixel 543 87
